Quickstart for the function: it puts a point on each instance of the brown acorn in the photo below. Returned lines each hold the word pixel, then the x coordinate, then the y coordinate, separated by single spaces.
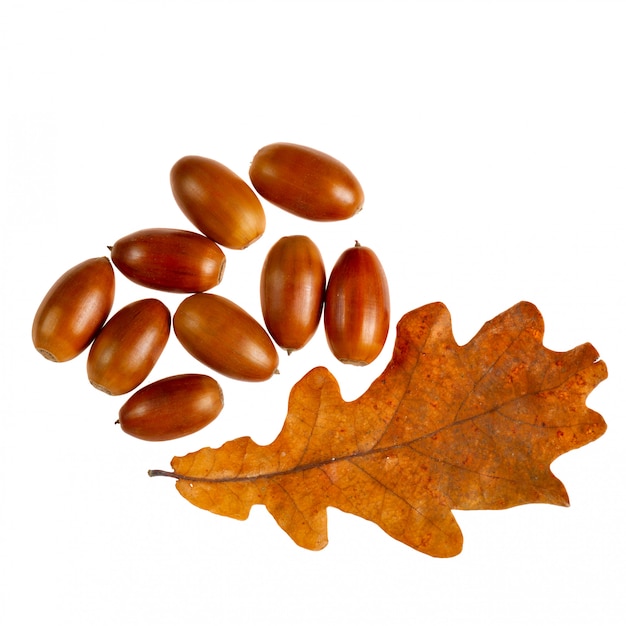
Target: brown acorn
pixel 172 407
pixel 128 346
pixel 74 310
pixel 306 182
pixel 356 308
pixel 169 259
pixel 293 281
pixel 224 337
pixel 217 202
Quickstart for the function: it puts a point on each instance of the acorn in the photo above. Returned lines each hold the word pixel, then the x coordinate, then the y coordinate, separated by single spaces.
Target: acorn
pixel 172 407
pixel 128 346
pixel 306 182
pixel 357 307
pixel 169 259
pixel 293 280
pixel 225 337
pixel 74 310
pixel 217 202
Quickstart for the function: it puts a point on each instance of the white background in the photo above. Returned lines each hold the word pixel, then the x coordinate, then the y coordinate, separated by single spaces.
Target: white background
pixel 490 140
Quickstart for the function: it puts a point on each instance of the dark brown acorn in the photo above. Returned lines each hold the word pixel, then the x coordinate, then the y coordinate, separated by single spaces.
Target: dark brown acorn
pixel 356 308
pixel 224 337
pixel 217 202
pixel 74 310
pixel 306 182
pixel 172 407
pixel 169 259
pixel 128 346
pixel 293 281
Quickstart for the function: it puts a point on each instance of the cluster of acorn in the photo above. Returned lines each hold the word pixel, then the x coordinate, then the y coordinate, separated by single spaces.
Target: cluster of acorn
pixel 216 331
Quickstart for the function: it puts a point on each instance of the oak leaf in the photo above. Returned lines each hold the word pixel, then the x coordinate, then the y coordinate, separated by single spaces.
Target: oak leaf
pixel 443 427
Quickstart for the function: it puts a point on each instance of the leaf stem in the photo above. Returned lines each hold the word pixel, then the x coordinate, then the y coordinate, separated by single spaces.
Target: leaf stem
pixel 157 472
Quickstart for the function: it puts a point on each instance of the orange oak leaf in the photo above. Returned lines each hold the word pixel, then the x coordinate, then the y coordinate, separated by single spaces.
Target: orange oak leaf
pixel 443 427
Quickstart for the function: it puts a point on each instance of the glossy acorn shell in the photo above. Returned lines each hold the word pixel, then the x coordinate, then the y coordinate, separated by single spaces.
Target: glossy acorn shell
pixel 74 310
pixel 217 202
pixel 293 280
pixel 357 307
pixel 306 182
pixel 172 407
pixel 168 259
pixel 225 337
pixel 128 346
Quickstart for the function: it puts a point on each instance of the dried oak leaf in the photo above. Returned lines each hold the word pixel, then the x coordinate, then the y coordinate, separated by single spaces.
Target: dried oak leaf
pixel 443 427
